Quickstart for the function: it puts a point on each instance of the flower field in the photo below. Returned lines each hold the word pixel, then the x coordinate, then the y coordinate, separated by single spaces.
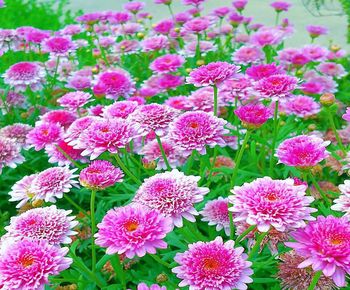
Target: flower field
pixel 195 152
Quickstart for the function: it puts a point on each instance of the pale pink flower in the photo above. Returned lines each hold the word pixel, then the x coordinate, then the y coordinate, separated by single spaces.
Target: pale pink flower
pixel 331 69
pixel 167 63
pixel 316 30
pixel 277 86
pixel 155 43
pixel 17 132
pixel 21 192
pixel 342 203
pixel 10 153
pixel 248 54
pixel 301 106
pixel 346 116
pixel 74 100
pixel 120 109
pixel 43 135
pixel 56 156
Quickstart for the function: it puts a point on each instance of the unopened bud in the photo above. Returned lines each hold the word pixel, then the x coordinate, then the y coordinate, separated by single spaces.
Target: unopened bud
pixel 327 99
pixel 188 70
pixel 311 127
pixel 200 62
pixel 140 35
pixel 37 203
pixel 161 278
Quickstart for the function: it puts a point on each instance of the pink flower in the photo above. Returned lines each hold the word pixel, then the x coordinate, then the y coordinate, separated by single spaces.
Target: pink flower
pixel 134 6
pixel 342 203
pixel 21 192
pixel 52 183
pixel 154 43
pixel 325 245
pixel 260 71
pixel 120 109
pixel 221 11
pixel 213 73
pixel 61 117
pixel 215 212
pixel 239 4
pixel 27 264
pixel 301 106
pixel 196 25
pixel 74 100
pixel 279 85
pixel 119 17
pixel 44 223
pixel 76 128
pixel 205 47
pixel 100 174
pixel 195 130
pixel 179 103
pixel 202 99
pixel 248 54
pixel 25 74
pixel 169 82
pixel 44 134
pixel 316 30
pixel 164 26
pixel 193 2
pixel 264 37
pixel 133 230
pixel 59 46
pixel 79 82
pixel 253 115
pixel 56 156
pixel 128 47
pixel 167 63
pixel 106 135
pixel 17 132
pixel 172 194
pixel 143 286
pixel 213 265
pixel 315 52
pixel 331 69
pixel 346 116
pixel 10 153
pixel 280 6
pixel 302 151
pixel 271 203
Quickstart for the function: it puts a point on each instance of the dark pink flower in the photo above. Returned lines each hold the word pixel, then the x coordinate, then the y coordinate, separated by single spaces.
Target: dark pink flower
pixel 253 115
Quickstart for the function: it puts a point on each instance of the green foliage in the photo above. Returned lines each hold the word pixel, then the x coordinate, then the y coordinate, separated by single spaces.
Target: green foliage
pixel 346 7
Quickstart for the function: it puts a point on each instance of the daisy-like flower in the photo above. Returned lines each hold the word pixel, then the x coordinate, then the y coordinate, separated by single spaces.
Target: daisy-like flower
pixel 44 134
pixel 301 106
pixel 59 46
pixel 346 116
pixel 74 100
pixel 248 54
pixel 196 25
pixel 213 73
pixel 342 203
pixel 100 174
pixel 253 115
pixel 62 117
pixel 167 63
pixel 260 71
pixel 21 192
pixel 302 151
pixel 316 30
pixel 44 223
pixel 52 183
pixel 325 245
pixel 172 194
pixel 121 109
pixel 215 212
pixel 213 265
pixel 179 103
pixel 280 6
pixel 133 230
pixel 76 128
pixel 10 153
pixel 106 135
pixel 266 202
pixel 195 130
pixel 54 151
pixel 276 86
pixel 331 69
pixel 25 74
pixel 155 43
pixel 27 264
pixel 153 118
pixel 17 132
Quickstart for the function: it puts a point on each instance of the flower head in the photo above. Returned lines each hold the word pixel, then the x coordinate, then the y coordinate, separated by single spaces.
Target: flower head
pixel 74 100
pixel 10 153
pixel 167 63
pixel 21 192
pixel 280 6
pixel 301 106
pixel 17 132
pixel 346 116
pixel 59 46
pixel 253 115
pixel 43 135
pixel 248 54
pixel 260 71
pixel 213 265
pixel 279 85
pixel 54 151
pixel 342 203
pixel 120 109
pixel 316 30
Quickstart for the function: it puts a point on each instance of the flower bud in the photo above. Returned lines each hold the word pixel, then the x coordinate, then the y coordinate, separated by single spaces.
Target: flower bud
pixel 327 99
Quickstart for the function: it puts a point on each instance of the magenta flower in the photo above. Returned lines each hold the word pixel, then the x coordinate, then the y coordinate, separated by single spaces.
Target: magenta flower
pixel 316 30
pixel 59 46
pixel 248 54
pixel 172 194
pixel 44 223
pixel 164 26
pixel 74 100
pixel 342 203
pixel 276 85
pixel 155 43
pixel 315 52
pixel 61 117
pixel 167 63
pixel 120 109
pixel 52 183
pixel 100 174
pixel 17 132
pixel 10 153
pixel 215 212
pixel 331 69
pixel 213 265
pixel 325 245
pixel 264 37
pixel 258 72
pixel 271 203
pixel 167 82
pixel 76 128
pixel 197 25
pixel 193 2
pixel 302 151
pixel 25 74
pixel 239 4
pixel 143 286
pixel 27 264
pixel 253 115
pixel 56 156
pixel 212 74
pixel 346 116
pixel 301 106
pixel 280 6
pixel 134 6
pixel 43 135
pixel 202 99
pixel 133 230
pixel 21 192
pixel 179 103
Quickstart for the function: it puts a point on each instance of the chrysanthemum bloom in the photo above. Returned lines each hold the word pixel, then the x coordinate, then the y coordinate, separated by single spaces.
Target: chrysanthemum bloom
pixel 133 230
pixel 151 152
pixel 301 106
pixel 52 183
pixel 167 63
pixel 134 6
pixel 296 278
pixel 143 286
pixel 127 46
pixel 331 69
pixel 202 99
pixel 325 245
pixel 195 130
pixel 221 11
pixel 302 151
pixel 167 82
pixel 179 103
pixel 44 223
pixel 315 52
pixel 153 118
pixel 119 17
pixel 196 25
pixel 20 191
pixel 76 128
pixel 62 117
pixel 17 132
pixel 342 203
pixel 14 99
pixel 316 30
pixel 59 46
pixel 154 43
pixel 253 115
pixel 25 74
pixel 346 116
pixel 239 4
pixel 10 153
pixel 235 19
pixel 100 174
pixel 44 134
pixel 266 202
pixel 215 213
pixel 193 2
pixel 264 37
pixel 172 194
pixel 56 156
pixel 205 47
pixel 106 135
pixel 27 264
pixel 213 265
pixel 117 83
pixel 120 109
pixel 276 86
pixel 79 82
pixel 248 54
pixel 74 100
pixel 280 6
pixel 260 71
pixel 213 73
pixel 164 26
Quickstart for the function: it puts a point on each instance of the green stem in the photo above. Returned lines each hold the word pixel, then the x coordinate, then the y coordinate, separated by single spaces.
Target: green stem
pixel 168 167
pixel 314 280
pixel 232 225
pixel 93 229
pixel 256 247
pixel 126 170
pixel 239 157
pixel 55 74
pixel 215 100
pixel 245 233
pixel 171 12
pixel 198 48
pixel 319 189
pixel 274 137
pixel 160 261
pixel 118 268
pixel 335 131
pixel 211 167
pixel 79 208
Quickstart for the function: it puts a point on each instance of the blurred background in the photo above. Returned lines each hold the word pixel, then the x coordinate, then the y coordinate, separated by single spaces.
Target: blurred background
pixel 302 13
